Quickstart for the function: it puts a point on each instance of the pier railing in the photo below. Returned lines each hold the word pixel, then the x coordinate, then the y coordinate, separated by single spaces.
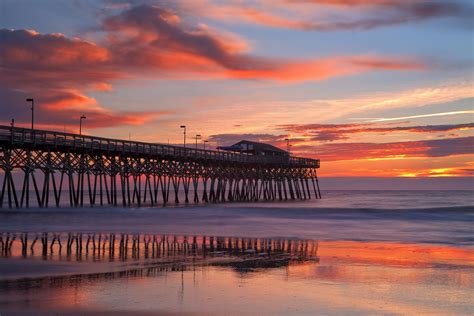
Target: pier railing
pixel 69 141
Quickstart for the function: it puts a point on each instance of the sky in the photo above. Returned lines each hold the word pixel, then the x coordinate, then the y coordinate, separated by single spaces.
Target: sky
pixel 379 88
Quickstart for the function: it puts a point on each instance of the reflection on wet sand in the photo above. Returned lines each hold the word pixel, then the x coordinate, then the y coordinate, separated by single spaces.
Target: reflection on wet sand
pixel 111 247
pixel 137 273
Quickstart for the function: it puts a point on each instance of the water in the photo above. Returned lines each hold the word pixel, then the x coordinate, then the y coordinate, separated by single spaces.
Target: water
pixel 354 252
pixel 444 217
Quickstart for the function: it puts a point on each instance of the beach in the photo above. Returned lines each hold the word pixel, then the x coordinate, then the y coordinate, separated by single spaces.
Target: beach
pixel 304 258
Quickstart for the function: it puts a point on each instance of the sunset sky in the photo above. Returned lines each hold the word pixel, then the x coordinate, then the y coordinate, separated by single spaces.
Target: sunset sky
pixel 380 88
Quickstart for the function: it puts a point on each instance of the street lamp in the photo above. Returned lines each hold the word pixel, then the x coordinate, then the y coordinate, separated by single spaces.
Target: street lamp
pixel 198 136
pixel 288 145
pixel 32 112
pixel 204 142
pixel 80 123
pixel 13 126
pixel 184 133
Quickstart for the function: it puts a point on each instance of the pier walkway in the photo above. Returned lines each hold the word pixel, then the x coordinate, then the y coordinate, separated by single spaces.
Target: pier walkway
pixel 83 169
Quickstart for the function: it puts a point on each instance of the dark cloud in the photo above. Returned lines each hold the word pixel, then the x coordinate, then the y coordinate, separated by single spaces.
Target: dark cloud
pixel 332 132
pixel 388 12
pixel 29 59
pixel 168 34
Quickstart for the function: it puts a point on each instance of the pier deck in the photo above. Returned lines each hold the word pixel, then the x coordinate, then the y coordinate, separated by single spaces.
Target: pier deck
pixel 103 169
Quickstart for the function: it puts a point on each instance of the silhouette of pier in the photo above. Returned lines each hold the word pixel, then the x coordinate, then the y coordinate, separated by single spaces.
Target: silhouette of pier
pixel 54 166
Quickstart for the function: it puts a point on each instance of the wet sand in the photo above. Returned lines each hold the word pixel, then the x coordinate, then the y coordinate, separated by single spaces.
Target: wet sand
pixel 191 275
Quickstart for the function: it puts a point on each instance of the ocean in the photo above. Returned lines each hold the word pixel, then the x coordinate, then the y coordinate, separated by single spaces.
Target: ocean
pixel 399 216
pixel 353 252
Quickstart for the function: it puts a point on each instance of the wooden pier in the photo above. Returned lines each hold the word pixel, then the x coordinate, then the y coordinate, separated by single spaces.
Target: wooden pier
pixel 80 170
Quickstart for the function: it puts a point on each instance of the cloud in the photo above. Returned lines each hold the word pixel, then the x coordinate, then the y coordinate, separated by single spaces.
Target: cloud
pixel 58 108
pixel 29 59
pixel 333 132
pixel 59 72
pixel 328 15
pixel 439 172
pixel 273 111
pixel 399 150
pixel 303 141
pixel 150 40
pixel 420 116
pixel 155 39
pixel 380 13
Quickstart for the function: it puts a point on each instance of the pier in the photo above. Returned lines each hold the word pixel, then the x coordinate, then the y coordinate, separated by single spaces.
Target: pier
pixel 47 168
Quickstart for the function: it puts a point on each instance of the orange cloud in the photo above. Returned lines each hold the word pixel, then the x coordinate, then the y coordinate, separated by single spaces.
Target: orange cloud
pixel 409 167
pixel 326 68
pixel 57 108
pixel 394 150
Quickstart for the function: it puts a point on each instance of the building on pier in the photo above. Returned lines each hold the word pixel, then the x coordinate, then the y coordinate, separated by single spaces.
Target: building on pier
pixel 255 148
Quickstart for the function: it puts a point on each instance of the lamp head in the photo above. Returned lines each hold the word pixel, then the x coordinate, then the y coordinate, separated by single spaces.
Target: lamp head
pixel 183 126
pixel 83 117
pixel 29 100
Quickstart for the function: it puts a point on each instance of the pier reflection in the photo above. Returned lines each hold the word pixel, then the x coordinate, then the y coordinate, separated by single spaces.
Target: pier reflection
pixel 123 247
pixel 98 256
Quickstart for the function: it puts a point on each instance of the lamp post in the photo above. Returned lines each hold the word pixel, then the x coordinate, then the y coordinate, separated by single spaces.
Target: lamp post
pixel 204 143
pixel 80 123
pixel 198 136
pixel 13 126
pixel 32 112
pixel 288 145
pixel 184 133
